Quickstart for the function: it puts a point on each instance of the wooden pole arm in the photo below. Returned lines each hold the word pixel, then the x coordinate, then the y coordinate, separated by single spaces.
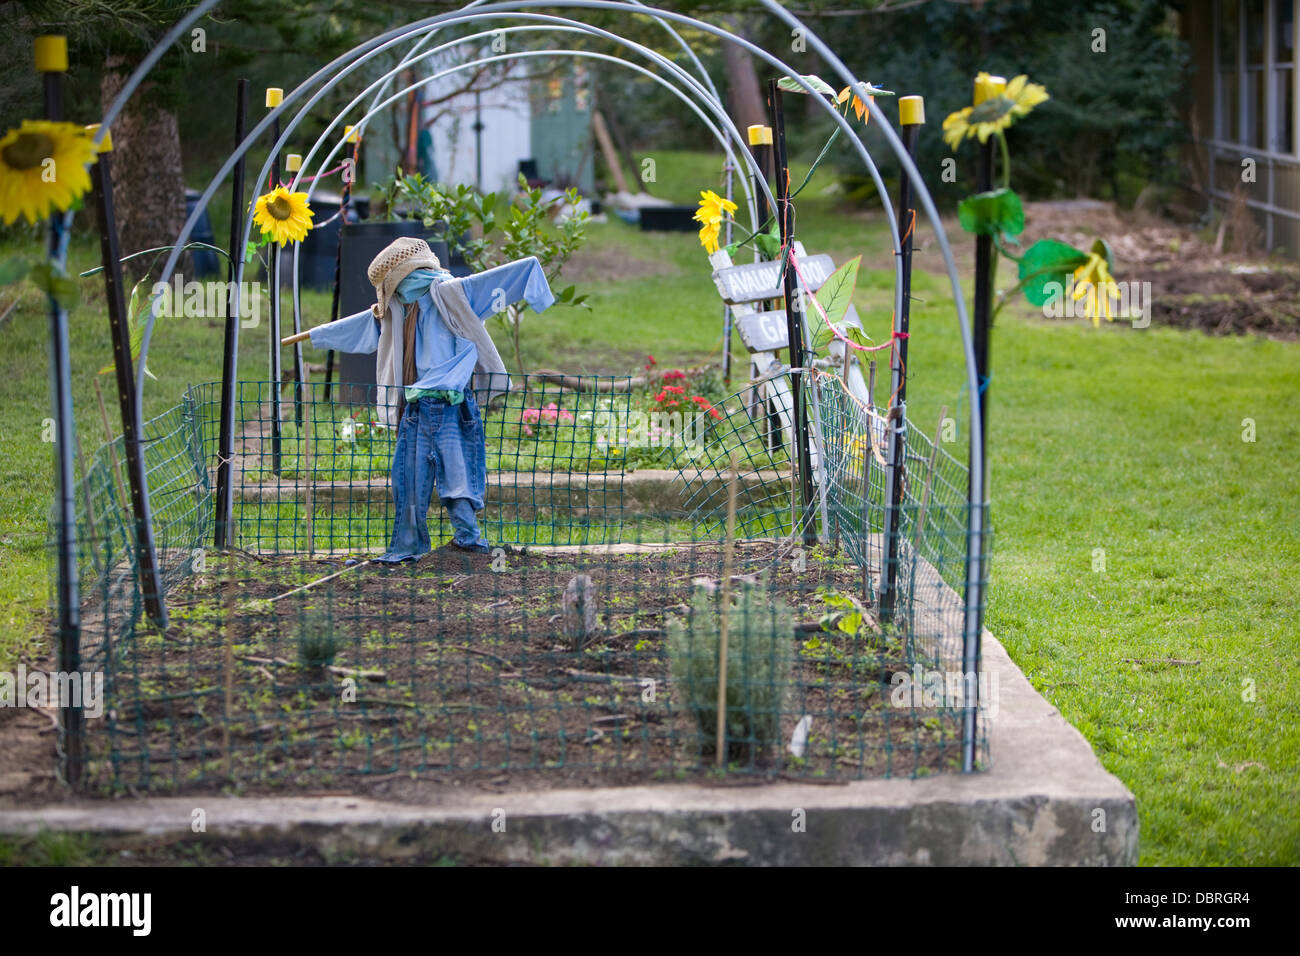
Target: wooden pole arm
pixel 296 337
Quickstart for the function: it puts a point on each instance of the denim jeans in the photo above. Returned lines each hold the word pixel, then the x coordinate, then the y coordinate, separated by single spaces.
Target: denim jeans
pixel 440 444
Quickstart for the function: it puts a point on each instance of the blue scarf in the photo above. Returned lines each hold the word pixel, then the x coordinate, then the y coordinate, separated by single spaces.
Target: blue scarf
pixel 418 282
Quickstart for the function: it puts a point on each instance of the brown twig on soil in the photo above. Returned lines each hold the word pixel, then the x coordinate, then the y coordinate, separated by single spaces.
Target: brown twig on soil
pixel 612 678
pixel 469 650
pixel 328 577
pixel 1158 660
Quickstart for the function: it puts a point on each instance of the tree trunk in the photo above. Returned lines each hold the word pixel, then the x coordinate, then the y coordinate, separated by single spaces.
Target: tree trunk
pixel 748 104
pixel 148 188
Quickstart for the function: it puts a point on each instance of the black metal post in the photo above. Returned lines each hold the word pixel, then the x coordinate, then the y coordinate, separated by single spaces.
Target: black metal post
pixel 225 529
pixel 345 198
pixel 793 316
pixel 51 61
pixel 982 312
pixel 151 590
pixel 912 115
pixel 981 327
pixel 273 271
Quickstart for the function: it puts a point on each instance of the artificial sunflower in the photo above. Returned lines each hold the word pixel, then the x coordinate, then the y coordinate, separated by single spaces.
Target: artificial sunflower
pixel 1094 276
pixel 710 215
pixel 43 168
pixel 283 216
pixel 995 114
pixel 859 107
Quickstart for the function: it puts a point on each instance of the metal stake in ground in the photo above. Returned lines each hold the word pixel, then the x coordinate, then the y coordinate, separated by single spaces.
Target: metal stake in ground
pixel 225 532
pixel 981 327
pixel 292 164
pixel 52 63
pixel 728 549
pixel 119 324
pixel 794 320
pixel 348 175
pixel 274 96
pixel 911 116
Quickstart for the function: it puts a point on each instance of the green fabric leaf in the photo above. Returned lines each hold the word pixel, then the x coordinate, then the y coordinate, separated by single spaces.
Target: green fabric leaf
pixel 992 213
pixel 791 85
pixel 836 294
pixel 55 284
pixel 768 245
pixel 1045 262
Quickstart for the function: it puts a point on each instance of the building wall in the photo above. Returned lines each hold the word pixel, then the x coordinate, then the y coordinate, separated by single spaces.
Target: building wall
pixel 1245 111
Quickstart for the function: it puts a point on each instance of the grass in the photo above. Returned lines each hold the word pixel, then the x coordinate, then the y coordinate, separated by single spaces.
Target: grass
pixel 1114 439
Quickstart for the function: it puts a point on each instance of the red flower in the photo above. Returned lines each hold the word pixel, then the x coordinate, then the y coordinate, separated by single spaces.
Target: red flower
pixel 673 375
pixel 650 362
pixel 675 389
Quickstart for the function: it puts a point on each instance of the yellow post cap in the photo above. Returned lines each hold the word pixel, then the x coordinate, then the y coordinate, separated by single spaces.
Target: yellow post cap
pixel 351 133
pixel 293 162
pixel 987 87
pixel 52 54
pixel 760 136
pixel 911 110
pixel 274 97
pixel 106 144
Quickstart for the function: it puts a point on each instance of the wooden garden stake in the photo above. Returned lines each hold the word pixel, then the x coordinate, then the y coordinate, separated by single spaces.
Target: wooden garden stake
pixel 306 463
pixel 728 550
pixel 929 476
pixel 229 662
pixel 108 440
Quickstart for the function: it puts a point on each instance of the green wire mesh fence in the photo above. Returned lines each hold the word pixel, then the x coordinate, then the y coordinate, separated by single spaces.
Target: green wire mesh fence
pixel 584 649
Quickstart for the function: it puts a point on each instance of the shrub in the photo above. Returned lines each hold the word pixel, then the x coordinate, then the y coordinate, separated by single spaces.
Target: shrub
pixel 760 635
pixel 317 643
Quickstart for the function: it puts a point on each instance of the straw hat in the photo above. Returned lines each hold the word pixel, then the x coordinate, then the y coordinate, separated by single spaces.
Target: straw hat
pixel 398 260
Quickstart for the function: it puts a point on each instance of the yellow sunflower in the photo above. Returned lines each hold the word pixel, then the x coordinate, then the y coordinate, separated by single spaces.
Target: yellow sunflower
pixel 859 107
pixel 282 215
pixel 1094 277
pixel 43 168
pixel 994 114
pixel 710 214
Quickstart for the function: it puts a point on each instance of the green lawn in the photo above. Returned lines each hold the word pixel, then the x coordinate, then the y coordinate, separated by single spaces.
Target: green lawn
pixel 1115 439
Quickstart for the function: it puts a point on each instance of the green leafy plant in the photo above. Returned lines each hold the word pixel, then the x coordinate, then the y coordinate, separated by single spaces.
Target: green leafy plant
pixel 759 647
pixel 318 644
pixel 471 224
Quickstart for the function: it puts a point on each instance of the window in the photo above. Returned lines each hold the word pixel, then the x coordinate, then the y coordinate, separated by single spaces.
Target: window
pixel 1228 57
pixel 1284 77
pixel 1255 74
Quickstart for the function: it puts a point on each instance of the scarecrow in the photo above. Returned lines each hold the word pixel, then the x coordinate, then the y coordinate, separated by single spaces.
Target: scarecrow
pixel 426 327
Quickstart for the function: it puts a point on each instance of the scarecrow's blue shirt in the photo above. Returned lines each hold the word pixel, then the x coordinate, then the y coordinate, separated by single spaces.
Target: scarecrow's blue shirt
pixel 443 362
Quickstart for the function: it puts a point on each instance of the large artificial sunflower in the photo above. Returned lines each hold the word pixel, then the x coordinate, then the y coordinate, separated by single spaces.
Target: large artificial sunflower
pixel 1094 277
pixel 996 113
pixel 283 216
pixel 43 168
pixel 710 214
